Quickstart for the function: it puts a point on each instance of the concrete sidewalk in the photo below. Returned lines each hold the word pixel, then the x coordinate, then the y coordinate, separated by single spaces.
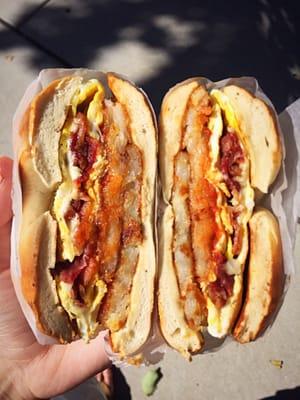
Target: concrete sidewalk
pixel 158 43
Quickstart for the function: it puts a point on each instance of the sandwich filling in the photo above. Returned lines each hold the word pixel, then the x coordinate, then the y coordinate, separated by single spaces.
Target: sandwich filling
pixel 97 207
pixel 212 202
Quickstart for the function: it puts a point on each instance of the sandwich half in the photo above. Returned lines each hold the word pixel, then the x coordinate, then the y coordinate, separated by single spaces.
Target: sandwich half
pixel 217 148
pixel 88 176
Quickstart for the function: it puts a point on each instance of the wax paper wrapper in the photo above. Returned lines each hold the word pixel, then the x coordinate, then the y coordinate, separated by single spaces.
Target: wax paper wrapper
pixel 283 200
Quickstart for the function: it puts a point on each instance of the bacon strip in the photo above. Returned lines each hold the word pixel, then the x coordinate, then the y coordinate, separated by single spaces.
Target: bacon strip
pixel 231 156
pixel 84 148
pixel 222 288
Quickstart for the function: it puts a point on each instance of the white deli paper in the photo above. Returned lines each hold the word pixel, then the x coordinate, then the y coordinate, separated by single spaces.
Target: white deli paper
pixel 283 200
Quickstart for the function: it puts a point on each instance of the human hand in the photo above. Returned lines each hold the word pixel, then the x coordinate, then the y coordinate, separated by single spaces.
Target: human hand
pixel 29 370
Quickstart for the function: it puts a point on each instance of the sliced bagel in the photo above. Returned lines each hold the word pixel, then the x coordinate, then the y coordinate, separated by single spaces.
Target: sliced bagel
pixel 259 125
pixel 265 277
pixel 173 323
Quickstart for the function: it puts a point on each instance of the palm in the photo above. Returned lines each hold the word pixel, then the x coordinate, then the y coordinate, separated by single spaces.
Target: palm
pixel 46 370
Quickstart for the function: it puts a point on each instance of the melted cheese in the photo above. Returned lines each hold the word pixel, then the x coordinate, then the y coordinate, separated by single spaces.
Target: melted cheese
pixel 85 315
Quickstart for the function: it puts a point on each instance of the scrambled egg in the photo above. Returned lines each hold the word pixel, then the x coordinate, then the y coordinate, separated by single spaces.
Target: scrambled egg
pixel 221 104
pixel 215 125
pixel 91 90
pixel 85 315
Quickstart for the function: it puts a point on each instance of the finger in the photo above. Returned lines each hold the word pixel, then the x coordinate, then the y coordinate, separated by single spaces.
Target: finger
pixel 108 381
pixel 108 377
pixel 5 190
pixel 67 366
pixel 6 210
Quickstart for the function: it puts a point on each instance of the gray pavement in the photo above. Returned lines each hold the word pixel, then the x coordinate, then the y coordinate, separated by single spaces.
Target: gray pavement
pixel 158 43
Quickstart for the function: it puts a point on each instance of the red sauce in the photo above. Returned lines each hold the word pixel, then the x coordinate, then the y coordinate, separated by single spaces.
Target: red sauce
pixel 206 230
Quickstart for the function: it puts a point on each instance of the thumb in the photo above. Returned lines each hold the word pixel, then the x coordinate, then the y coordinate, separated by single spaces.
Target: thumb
pixel 65 366
pixel 5 210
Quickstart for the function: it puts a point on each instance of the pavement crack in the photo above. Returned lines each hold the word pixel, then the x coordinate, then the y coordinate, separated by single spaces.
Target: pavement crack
pixel 36 44
pixel 27 17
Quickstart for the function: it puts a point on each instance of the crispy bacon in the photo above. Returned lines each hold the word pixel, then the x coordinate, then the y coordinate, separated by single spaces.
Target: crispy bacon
pixel 222 288
pixel 80 271
pixel 231 156
pixel 71 270
pixel 84 148
pixel 92 257
pixel 74 208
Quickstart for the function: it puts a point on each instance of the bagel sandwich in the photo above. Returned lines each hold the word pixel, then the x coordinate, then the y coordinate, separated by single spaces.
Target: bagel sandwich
pixel 219 150
pixel 87 167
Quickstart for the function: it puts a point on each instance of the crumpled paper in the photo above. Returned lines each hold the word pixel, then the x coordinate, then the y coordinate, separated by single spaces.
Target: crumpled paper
pixel 283 200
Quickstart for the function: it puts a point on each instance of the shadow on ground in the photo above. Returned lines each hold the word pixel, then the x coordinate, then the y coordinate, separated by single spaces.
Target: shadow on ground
pixel 288 394
pixel 121 387
pixel 158 43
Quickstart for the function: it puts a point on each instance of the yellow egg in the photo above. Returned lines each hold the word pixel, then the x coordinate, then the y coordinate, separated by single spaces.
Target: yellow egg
pixel 95 111
pixel 227 109
pixel 225 217
pixel 85 315
pixel 94 91
pixel 215 125
pixel 64 195
pixel 85 91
